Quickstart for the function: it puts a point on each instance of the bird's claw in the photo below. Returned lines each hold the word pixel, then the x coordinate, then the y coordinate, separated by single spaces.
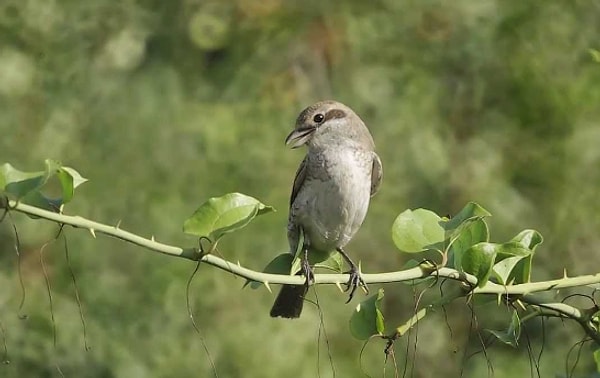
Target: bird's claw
pixel 354 282
pixel 308 273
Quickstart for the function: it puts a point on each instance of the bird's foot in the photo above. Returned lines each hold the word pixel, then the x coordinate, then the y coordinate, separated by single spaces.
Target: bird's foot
pixel 307 271
pixel 355 282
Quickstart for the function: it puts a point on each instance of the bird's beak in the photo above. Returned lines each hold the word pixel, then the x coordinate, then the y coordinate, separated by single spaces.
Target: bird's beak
pixel 300 136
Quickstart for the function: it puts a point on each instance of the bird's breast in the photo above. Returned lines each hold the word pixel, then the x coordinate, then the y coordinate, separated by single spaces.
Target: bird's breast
pixel 334 198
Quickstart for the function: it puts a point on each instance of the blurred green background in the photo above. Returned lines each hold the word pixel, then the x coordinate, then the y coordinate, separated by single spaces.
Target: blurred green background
pixel 163 104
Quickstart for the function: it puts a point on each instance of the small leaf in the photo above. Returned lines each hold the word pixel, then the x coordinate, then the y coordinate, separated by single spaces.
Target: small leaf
pixel 512 334
pixel 221 215
pixel 335 262
pixel 597 354
pixel 478 261
pixel 529 239
pixel 69 180
pixel 279 265
pixel 503 270
pixel 471 211
pixel 461 223
pixel 19 183
pixel 521 271
pixel 401 330
pixel 367 319
pixel 417 231
pixel 27 186
pixel 595 55
pixel 315 258
pixel 474 232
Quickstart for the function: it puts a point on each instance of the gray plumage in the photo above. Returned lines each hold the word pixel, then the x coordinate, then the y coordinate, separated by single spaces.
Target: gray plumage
pixel 332 188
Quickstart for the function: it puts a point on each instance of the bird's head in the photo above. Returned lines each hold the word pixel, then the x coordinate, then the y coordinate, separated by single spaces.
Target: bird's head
pixel 329 123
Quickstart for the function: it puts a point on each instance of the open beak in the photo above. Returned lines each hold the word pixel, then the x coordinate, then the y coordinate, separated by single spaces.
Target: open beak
pixel 299 137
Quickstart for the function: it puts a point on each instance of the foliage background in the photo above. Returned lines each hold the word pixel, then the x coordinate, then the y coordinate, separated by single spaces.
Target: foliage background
pixel 162 104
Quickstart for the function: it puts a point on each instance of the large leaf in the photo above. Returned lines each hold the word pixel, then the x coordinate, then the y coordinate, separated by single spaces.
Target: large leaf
pixel 417 231
pixel 221 215
pixel 367 319
pixel 29 187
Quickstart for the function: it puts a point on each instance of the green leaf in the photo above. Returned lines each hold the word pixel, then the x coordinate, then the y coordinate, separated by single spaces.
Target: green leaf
pixel 521 245
pixel 504 269
pixel 597 359
pixel 19 183
pixel 316 258
pixel 335 262
pixel 479 260
pixel 529 239
pixel 27 186
pixel 404 328
pixel 459 227
pixel 221 215
pixel 512 334
pixel 279 265
pixel 474 232
pixel 417 231
pixel 471 211
pixel 367 319
pixel 69 179
pixel 595 55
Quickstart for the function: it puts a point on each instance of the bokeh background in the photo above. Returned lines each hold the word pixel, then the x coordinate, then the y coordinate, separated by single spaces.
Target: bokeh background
pixel 163 104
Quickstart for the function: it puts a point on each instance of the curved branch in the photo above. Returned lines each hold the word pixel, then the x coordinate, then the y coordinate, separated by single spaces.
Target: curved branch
pixel 267 278
pixel 567 311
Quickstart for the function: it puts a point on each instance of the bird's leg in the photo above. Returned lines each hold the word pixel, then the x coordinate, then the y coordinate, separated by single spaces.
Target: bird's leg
pixel 305 266
pixel 355 280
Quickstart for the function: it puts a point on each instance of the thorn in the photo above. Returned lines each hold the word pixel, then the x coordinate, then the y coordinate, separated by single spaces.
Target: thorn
pixel 93 232
pixel 238 263
pixel 118 226
pixel 152 238
pixel 339 286
pixel 565 273
pixel 499 299
pixel 266 283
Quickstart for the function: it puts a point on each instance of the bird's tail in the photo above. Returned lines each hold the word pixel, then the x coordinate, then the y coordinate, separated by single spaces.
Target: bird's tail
pixel 289 301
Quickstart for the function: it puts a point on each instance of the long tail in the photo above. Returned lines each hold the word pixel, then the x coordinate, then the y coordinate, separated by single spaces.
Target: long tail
pixel 289 301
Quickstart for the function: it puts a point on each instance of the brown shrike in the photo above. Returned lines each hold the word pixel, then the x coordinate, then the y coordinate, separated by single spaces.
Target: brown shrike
pixel 331 191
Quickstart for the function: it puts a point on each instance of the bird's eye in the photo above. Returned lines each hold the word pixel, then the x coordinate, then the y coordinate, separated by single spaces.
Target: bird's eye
pixel 318 118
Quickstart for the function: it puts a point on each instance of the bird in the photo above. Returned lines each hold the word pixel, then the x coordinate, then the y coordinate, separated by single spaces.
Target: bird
pixel 330 194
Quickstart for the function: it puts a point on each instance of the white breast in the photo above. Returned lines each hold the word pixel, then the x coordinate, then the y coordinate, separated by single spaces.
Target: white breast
pixel 333 201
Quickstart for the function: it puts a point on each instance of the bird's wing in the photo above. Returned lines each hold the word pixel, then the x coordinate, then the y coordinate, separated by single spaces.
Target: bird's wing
pixel 376 174
pixel 294 230
pixel 298 180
